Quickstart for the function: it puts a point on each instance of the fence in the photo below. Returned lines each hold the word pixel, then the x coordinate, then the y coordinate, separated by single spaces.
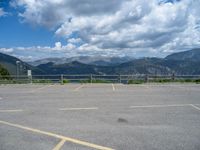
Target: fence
pixel 136 78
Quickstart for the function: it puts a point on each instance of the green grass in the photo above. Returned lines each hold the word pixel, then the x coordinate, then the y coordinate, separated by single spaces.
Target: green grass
pixel 101 81
pixel 188 80
pixel 161 80
pixel 41 81
pixel 14 81
pixel 177 80
pixel 65 81
pixel 95 81
pixel 165 81
pixel 136 81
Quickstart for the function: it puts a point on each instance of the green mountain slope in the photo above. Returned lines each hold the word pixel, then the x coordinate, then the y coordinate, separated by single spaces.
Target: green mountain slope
pixel 9 62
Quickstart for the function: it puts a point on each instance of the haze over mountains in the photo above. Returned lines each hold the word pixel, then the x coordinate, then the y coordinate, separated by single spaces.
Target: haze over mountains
pixel 183 63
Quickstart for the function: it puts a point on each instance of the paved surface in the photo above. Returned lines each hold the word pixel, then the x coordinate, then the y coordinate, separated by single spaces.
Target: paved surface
pixel 100 116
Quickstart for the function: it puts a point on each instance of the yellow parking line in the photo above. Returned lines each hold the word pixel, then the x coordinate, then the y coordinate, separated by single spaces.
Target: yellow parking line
pixel 195 107
pixel 60 144
pixel 16 110
pixel 78 88
pixel 67 139
pixel 89 108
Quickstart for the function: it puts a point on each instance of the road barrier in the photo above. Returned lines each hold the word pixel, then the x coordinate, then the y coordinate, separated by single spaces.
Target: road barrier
pixel 91 78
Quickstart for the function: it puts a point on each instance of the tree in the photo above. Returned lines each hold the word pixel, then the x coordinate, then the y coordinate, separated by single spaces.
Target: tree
pixel 4 74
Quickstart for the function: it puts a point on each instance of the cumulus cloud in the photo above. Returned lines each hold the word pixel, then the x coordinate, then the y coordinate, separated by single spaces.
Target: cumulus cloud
pixel 6 50
pixel 69 50
pixel 2 12
pixel 58 45
pixel 130 27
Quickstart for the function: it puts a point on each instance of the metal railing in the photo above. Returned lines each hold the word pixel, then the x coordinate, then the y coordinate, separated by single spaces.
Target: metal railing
pixel 136 78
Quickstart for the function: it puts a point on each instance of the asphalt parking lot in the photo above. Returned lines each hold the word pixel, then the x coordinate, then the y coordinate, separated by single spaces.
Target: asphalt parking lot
pixel 100 116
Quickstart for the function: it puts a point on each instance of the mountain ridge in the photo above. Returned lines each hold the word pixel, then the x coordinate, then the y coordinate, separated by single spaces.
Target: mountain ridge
pixel 97 60
pixel 10 63
pixel 192 55
pixel 183 63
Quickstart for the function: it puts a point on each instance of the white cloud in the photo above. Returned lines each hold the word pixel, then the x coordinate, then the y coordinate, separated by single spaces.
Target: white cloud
pixel 142 27
pixel 6 50
pixel 2 12
pixel 58 45
pixel 74 40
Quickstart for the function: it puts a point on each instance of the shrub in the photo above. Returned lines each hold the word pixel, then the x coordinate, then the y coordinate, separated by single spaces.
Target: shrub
pixel 188 80
pixel 197 81
pixel 162 80
pixel 4 74
pixel 66 81
pixel 101 81
pixel 135 81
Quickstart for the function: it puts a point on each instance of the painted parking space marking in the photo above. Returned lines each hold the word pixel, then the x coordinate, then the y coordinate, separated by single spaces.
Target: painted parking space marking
pixel 78 88
pixel 14 110
pixel 67 139
pixel 59 145
pixel 160 106
pixel 89 108
pixel 198 108
pixel 41 88
pixel 113 87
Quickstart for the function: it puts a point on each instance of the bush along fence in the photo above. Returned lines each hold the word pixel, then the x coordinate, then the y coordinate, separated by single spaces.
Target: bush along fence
pixel 126 79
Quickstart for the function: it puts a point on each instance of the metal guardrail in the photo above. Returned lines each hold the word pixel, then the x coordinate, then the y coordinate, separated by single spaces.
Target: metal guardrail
pixel 96 78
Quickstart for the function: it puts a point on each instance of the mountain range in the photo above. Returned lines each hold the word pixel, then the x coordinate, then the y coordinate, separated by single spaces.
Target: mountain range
pixel 182 63
pixel 95 60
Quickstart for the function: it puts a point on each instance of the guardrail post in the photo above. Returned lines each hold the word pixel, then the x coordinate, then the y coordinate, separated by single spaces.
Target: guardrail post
pixel 91 78
pixel 146 78
pixel 120 80
pixel 31 79
pixel 61 79
pixel 173 76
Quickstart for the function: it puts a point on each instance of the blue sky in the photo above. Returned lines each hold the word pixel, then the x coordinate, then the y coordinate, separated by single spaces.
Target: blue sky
pixel 31 29
pixel 15 33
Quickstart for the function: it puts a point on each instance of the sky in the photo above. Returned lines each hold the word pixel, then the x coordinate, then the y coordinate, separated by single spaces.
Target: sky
pixel 37 29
